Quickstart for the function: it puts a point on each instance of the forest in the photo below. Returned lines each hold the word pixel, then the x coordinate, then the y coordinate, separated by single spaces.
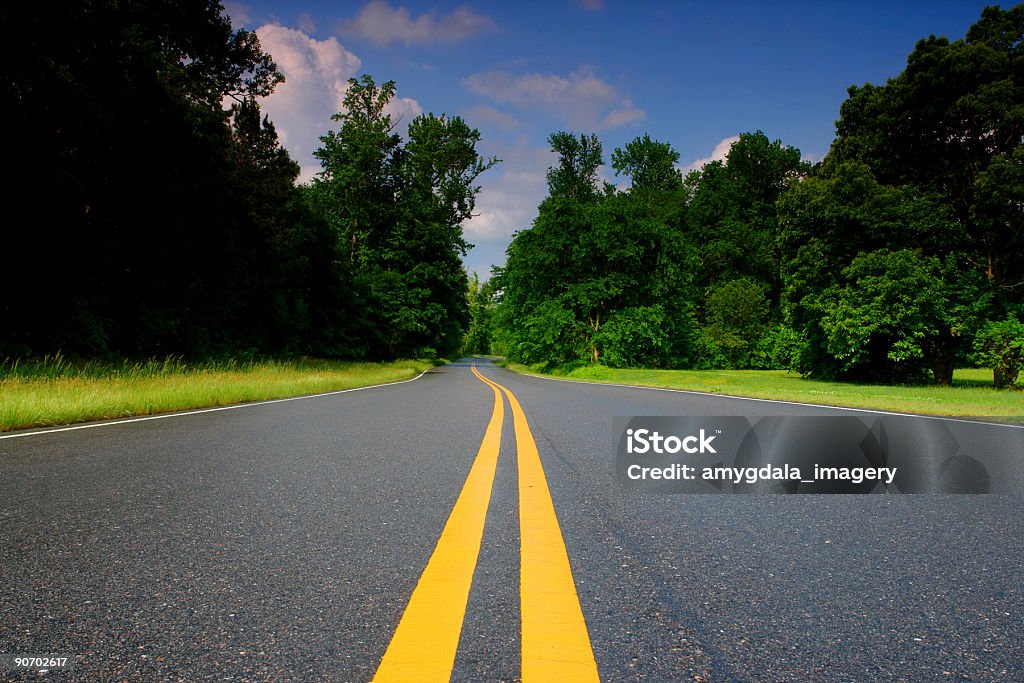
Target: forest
pixel 145 218
pixel 897 258
pixel 152 211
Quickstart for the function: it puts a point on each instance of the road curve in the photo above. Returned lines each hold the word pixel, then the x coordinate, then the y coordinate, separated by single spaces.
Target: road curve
pixel 283 541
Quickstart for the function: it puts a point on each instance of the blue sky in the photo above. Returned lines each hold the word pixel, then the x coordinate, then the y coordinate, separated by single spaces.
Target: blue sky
pixel 695 74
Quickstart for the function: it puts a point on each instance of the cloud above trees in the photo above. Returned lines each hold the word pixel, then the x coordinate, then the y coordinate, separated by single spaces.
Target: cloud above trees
pixel 383 25
pixel 316 77
pixel 317 73
pixel 719 153
pixel 582 99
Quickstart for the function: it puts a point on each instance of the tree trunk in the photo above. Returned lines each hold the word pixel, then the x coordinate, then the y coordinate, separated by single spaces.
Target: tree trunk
pixel 942 367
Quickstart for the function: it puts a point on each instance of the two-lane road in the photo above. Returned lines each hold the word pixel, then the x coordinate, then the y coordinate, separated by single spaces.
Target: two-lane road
pixel 284 541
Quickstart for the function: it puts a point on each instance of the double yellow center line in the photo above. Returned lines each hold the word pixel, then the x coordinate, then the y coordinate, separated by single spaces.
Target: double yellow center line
pixel 555 642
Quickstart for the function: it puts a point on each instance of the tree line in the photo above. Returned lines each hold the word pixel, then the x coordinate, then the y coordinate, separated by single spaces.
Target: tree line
pixel 896 258
pixel 143 216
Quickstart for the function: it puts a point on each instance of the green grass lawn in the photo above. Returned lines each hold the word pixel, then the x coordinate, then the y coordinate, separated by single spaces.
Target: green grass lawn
pixel 56 392
pixel 971 395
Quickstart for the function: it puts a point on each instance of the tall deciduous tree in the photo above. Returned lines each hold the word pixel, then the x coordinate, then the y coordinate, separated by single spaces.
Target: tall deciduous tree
pixel 956 109
pixel 574 175
pixel 288 289
pixel 360 167
pixel 842 233
pixel 398 209
pixel 910 237
pixel 480 335
pixel 997 216
pixel 440 174
pixel 650 165
pixel 732 218
pixel 732 213
pixel 904 306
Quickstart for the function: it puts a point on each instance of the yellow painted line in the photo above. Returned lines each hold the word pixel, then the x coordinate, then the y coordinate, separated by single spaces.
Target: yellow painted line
pixel 424 645
pixel 556 645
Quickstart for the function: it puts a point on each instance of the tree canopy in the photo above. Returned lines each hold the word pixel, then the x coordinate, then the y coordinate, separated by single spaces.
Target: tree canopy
pixel 151 210
pixel 399 207
pixel 899 255
pixel 143 217
pixel 598 276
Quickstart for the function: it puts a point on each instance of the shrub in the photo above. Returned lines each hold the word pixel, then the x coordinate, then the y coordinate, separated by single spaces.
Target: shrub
pixel 1000 346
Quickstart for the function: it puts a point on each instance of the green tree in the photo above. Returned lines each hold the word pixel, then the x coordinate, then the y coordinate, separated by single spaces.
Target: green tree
pixel 537 315
pixel 927 164
pixel 636 336
pixel 289 278
pixel 1000 346
pixel 904 305
pixel 732 217
pixel 649 164
pixel 598 277
pixel 735 316
pixel 732 213
pixel 998 213
pixel 359 177
pixel 398 210
pixel 122 209
pixel 481 310
pixel 575 174
pixel 828 222
pixel 265 305
pixel 440 169
pixel 939 126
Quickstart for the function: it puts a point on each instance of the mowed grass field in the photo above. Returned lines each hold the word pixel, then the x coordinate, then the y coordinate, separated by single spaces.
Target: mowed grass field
pixel 972 393
pixel 54 391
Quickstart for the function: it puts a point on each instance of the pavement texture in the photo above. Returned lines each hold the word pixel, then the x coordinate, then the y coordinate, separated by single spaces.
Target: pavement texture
pixel 282 541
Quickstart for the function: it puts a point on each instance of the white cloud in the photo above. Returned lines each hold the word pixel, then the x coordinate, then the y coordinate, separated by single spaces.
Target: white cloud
pixel 582 99
pixel 510 192
pixel 717 154
pixel 811 157
pixel 624 114
pixel 508 200
pixel 550 90
pixel 488 114
pixel 403 110
pixel 383 24
pixel 316 77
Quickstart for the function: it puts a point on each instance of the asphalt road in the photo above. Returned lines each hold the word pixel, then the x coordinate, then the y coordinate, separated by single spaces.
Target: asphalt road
pixel 282 541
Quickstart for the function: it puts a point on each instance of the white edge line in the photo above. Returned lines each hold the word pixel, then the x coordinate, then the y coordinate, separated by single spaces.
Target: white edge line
pixel 162 416
pixel 770 400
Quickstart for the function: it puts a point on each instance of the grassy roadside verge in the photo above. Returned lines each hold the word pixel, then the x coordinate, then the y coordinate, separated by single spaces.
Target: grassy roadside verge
pixel 55 392
pixel 971 395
